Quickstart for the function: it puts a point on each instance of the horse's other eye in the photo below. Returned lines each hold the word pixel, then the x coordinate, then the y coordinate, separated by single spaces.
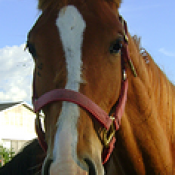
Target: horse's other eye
pixel 116 46
pixel 31 49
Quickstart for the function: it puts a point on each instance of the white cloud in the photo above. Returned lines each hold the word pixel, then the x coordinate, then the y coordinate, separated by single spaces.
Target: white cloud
pixel 16 69
pixel 167 53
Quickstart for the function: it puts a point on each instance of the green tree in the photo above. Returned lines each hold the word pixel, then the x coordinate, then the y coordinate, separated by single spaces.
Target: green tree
pixel 5 155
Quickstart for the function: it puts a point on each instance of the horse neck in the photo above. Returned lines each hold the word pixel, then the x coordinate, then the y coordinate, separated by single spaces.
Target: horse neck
pixel 151 93
pixel 147 125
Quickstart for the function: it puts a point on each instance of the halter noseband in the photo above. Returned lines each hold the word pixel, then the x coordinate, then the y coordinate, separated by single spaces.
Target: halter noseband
pixel 110 123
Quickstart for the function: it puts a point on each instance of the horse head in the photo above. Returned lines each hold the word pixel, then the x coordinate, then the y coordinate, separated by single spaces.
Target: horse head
pixel 76 46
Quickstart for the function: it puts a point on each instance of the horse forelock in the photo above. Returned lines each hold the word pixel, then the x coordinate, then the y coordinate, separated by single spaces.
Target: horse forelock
pixel 44 4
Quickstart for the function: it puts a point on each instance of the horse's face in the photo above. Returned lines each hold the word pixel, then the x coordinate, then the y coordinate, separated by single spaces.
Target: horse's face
pixel 72 49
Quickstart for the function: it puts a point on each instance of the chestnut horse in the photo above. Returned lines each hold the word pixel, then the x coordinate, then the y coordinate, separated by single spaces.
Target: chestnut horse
pixel 82 52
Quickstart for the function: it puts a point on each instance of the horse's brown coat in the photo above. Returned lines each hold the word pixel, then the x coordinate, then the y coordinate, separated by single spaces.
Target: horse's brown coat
pixel 147 129
pixel 146 139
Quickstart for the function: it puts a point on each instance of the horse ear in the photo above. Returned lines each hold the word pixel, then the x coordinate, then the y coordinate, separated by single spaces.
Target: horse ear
pixel 41 4
pixel 117 2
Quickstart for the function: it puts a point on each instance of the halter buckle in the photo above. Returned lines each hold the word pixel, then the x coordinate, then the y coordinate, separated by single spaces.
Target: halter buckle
pixel 109 134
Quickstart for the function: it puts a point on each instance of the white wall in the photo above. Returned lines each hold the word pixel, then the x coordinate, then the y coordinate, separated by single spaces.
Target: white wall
pixel 17 123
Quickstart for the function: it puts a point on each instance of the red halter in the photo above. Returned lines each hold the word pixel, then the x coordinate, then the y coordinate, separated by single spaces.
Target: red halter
pixel 111 124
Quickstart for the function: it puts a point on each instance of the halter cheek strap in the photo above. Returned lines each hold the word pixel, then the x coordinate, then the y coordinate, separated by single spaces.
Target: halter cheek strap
pixel 40 133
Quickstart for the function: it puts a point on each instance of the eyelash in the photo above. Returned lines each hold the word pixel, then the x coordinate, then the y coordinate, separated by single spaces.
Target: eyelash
pixel 116 46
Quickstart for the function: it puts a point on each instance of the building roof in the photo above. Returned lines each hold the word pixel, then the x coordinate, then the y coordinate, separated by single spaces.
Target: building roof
pixel 4 106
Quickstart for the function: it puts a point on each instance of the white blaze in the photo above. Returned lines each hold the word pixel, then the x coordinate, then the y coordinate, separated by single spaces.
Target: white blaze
pixel 71 26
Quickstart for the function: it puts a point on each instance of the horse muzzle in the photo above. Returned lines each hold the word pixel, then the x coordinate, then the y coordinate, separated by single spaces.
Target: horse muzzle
pixel 68 168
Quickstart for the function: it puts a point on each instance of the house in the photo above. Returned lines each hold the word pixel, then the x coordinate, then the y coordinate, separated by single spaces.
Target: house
pixel 16 124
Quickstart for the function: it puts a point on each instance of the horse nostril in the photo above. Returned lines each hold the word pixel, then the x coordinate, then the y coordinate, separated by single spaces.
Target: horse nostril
pixel 91 166
pixel 46 166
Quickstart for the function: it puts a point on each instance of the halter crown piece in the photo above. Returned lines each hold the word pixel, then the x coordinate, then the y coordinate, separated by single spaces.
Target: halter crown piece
pixel 110 123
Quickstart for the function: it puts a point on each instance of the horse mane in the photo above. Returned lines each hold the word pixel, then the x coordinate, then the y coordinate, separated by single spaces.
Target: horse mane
pixel 146 57
pixel 153 81
pixel 27 161
pixel 44 4
pixel 143 52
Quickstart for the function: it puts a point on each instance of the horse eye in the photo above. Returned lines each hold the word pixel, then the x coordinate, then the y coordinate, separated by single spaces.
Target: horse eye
pixel 116 46
pixel 31 49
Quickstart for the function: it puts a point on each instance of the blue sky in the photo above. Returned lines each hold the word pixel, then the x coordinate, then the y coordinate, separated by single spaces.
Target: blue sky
pixel 153 21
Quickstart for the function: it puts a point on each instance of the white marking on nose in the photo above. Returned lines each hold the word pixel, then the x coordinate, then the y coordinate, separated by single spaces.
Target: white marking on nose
pixel 71 26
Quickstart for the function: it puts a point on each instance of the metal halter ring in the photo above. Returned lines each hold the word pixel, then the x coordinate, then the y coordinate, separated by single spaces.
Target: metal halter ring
pixel 109 134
